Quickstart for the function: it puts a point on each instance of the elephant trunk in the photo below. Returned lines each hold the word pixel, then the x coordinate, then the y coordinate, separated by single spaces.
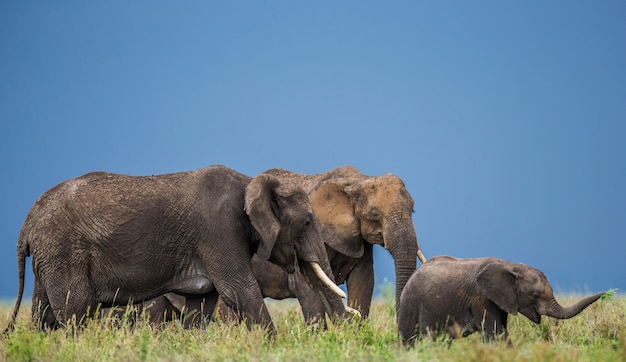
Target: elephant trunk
pixel 401 241
pixel 555 310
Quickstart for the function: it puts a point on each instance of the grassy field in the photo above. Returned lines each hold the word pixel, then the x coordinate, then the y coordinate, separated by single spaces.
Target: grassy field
pixel 597 334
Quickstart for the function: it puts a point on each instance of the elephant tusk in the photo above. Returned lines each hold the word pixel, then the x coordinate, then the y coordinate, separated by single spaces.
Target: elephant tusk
pixel 354 312
pixel 326 280
pixel 421 256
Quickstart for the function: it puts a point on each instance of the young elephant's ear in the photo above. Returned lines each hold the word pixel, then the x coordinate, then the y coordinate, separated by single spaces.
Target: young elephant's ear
pixel 258 206
pixel 497 282
pixel 177 300
pixel 334 210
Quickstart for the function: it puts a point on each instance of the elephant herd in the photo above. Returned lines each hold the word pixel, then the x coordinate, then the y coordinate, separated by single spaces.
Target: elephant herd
pixel 212 240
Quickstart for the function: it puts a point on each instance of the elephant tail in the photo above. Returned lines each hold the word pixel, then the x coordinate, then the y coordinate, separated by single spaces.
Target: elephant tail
pixel 22 252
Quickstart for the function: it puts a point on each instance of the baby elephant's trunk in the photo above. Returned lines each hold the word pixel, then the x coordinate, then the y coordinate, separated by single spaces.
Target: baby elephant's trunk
pixel 555 310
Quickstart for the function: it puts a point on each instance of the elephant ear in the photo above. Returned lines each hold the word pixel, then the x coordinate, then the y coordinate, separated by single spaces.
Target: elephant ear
pixel 258 205
pixel 177 300
pixel 498 283
pixel 334 210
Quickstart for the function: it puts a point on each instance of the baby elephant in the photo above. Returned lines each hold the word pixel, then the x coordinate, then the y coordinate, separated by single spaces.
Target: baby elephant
pixel 463 296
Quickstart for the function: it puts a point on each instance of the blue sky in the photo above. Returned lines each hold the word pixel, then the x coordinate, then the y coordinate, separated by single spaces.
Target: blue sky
pixel 506 120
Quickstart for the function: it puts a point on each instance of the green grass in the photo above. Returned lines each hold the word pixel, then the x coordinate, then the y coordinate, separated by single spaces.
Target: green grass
pixel 598 334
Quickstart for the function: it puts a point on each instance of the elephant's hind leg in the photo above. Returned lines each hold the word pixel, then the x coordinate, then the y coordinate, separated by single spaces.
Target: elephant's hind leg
pixel 73 300
pixel 41 310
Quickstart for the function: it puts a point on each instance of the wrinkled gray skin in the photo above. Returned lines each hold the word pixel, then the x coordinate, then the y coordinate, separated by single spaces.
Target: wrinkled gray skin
pixel 355 212
pixel 463 296
pixel 109 239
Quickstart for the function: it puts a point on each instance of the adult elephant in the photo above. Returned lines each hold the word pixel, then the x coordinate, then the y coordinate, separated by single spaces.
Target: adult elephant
pixel 463 296
pixel 109 239
pixel 355 212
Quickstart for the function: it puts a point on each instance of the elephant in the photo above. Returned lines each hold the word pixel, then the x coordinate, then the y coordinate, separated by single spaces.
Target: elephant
pixel 105 239
pixel 463 296
pixel 356 212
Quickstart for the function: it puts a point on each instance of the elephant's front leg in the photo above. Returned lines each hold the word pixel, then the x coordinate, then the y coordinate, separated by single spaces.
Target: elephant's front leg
pixel 276 283
pixel 494 324
pixel 360 282
pixel 236 284
pixel 310 301
pixel 245 298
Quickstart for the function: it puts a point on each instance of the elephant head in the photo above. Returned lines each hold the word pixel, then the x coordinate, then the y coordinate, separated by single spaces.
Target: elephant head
pixel 520 288
pixel 280 211
pixel 376 210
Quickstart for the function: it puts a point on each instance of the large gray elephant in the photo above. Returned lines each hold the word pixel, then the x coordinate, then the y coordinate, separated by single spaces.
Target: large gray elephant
pixel 107 239
pixel 463 296
pixel 355 212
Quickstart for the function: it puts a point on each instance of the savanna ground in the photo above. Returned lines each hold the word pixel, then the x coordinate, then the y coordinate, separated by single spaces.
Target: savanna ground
pixel 597 334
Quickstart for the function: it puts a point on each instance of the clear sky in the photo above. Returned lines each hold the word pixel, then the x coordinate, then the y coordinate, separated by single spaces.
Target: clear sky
pixel 506 120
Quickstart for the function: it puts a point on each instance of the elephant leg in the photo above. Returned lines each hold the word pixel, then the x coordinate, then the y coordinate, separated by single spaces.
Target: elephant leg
pixel 272 280
pixel 252 310
pixel 312 306
pixel 199 310
pixel 246 299
pixel 232 274
pixel 159 309
pixel 408 319
pixel 276 283
pixel 77 302
pixel 41 309
pixel 494 323
pixel 422 322
pixel 360 282
pixel 224 313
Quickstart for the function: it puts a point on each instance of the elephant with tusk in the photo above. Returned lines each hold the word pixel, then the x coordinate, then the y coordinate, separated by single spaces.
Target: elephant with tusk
pixel 107 239
pixel 463 296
